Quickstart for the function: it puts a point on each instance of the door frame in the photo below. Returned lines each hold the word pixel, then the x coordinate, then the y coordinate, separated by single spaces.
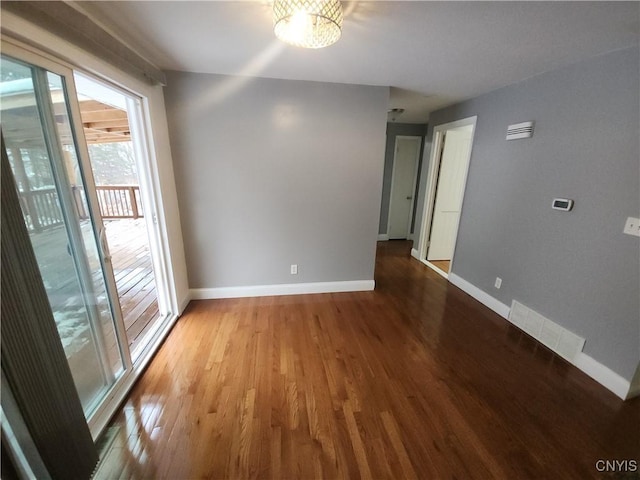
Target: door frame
pixel 94 68
pixel 431 187
pixel 16 51
pixel 414 183
pixel 146 173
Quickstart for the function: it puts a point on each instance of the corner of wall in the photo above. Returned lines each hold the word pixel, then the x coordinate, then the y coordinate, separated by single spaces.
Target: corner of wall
pixel 184 303
pixel 634 387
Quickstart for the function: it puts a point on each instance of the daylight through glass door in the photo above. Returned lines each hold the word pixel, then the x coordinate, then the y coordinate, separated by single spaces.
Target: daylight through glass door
pixel 115 154
pixel 43 155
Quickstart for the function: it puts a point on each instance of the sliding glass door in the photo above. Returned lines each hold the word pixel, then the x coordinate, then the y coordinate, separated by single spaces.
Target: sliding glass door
pixel 59 207
pixel 117 144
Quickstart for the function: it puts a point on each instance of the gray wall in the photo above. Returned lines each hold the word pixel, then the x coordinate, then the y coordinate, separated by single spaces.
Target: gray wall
pixel 273 172
pixel 575 268
pixel 393 130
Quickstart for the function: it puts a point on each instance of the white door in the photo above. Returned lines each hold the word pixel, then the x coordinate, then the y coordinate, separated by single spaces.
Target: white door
pixel 450 190
pixel 402 186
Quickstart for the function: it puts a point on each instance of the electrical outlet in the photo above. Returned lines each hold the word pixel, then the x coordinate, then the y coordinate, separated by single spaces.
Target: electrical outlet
pixel 632 227
pixel 498 283
pixel 294 269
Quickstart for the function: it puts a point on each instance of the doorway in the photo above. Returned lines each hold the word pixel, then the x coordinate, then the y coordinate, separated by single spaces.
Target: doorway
pixel 117 159
pixel 65 231
pixel 47 148
pixel 403 185
pixel 446 182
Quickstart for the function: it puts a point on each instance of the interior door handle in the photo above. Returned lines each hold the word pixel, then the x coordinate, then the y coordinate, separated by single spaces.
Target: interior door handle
pixel 409 198
pixel 104 246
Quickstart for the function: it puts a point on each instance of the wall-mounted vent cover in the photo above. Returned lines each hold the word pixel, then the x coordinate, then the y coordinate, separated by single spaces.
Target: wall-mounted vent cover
pixel 562 341
pixel 520 130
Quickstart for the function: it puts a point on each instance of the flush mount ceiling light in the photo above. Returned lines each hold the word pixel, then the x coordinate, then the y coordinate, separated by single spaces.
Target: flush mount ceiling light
pixel 308 23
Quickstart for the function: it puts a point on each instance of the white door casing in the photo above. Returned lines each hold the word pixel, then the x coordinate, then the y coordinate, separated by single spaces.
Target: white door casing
pixel 450 190
pixel 150 114
pixel 433 168
pixel 403 183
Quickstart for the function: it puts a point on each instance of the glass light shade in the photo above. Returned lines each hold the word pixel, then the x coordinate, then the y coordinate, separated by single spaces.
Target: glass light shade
pixel 308 23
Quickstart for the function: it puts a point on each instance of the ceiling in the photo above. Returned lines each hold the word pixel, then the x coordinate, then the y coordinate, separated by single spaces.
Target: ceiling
pixel 432 54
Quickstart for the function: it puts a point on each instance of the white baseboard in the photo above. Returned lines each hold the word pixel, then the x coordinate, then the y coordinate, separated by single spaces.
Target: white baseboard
pixel 282 289
pixel 383 237
pixel 600 373
pixel 183 304
pixel 415 254
pixel 480 295
pixel 604 375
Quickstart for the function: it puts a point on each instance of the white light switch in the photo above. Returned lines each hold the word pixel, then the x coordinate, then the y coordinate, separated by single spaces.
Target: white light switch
pixel 294 269
pixel 632 227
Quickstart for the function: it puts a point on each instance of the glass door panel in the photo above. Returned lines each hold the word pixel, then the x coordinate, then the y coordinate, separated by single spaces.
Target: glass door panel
pixel 114 146
pixel 42 152
pixel 117 146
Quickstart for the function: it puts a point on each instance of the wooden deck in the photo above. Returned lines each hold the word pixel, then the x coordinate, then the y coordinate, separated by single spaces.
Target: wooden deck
pixel 131 260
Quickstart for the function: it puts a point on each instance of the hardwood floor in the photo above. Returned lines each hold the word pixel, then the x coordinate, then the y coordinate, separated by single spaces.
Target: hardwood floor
pixel 413 380
pixel 441 264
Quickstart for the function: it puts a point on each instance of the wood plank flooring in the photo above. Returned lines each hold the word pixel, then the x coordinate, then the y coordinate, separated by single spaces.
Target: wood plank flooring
pixel 413 380
pixel 441 264
pixel 133 271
